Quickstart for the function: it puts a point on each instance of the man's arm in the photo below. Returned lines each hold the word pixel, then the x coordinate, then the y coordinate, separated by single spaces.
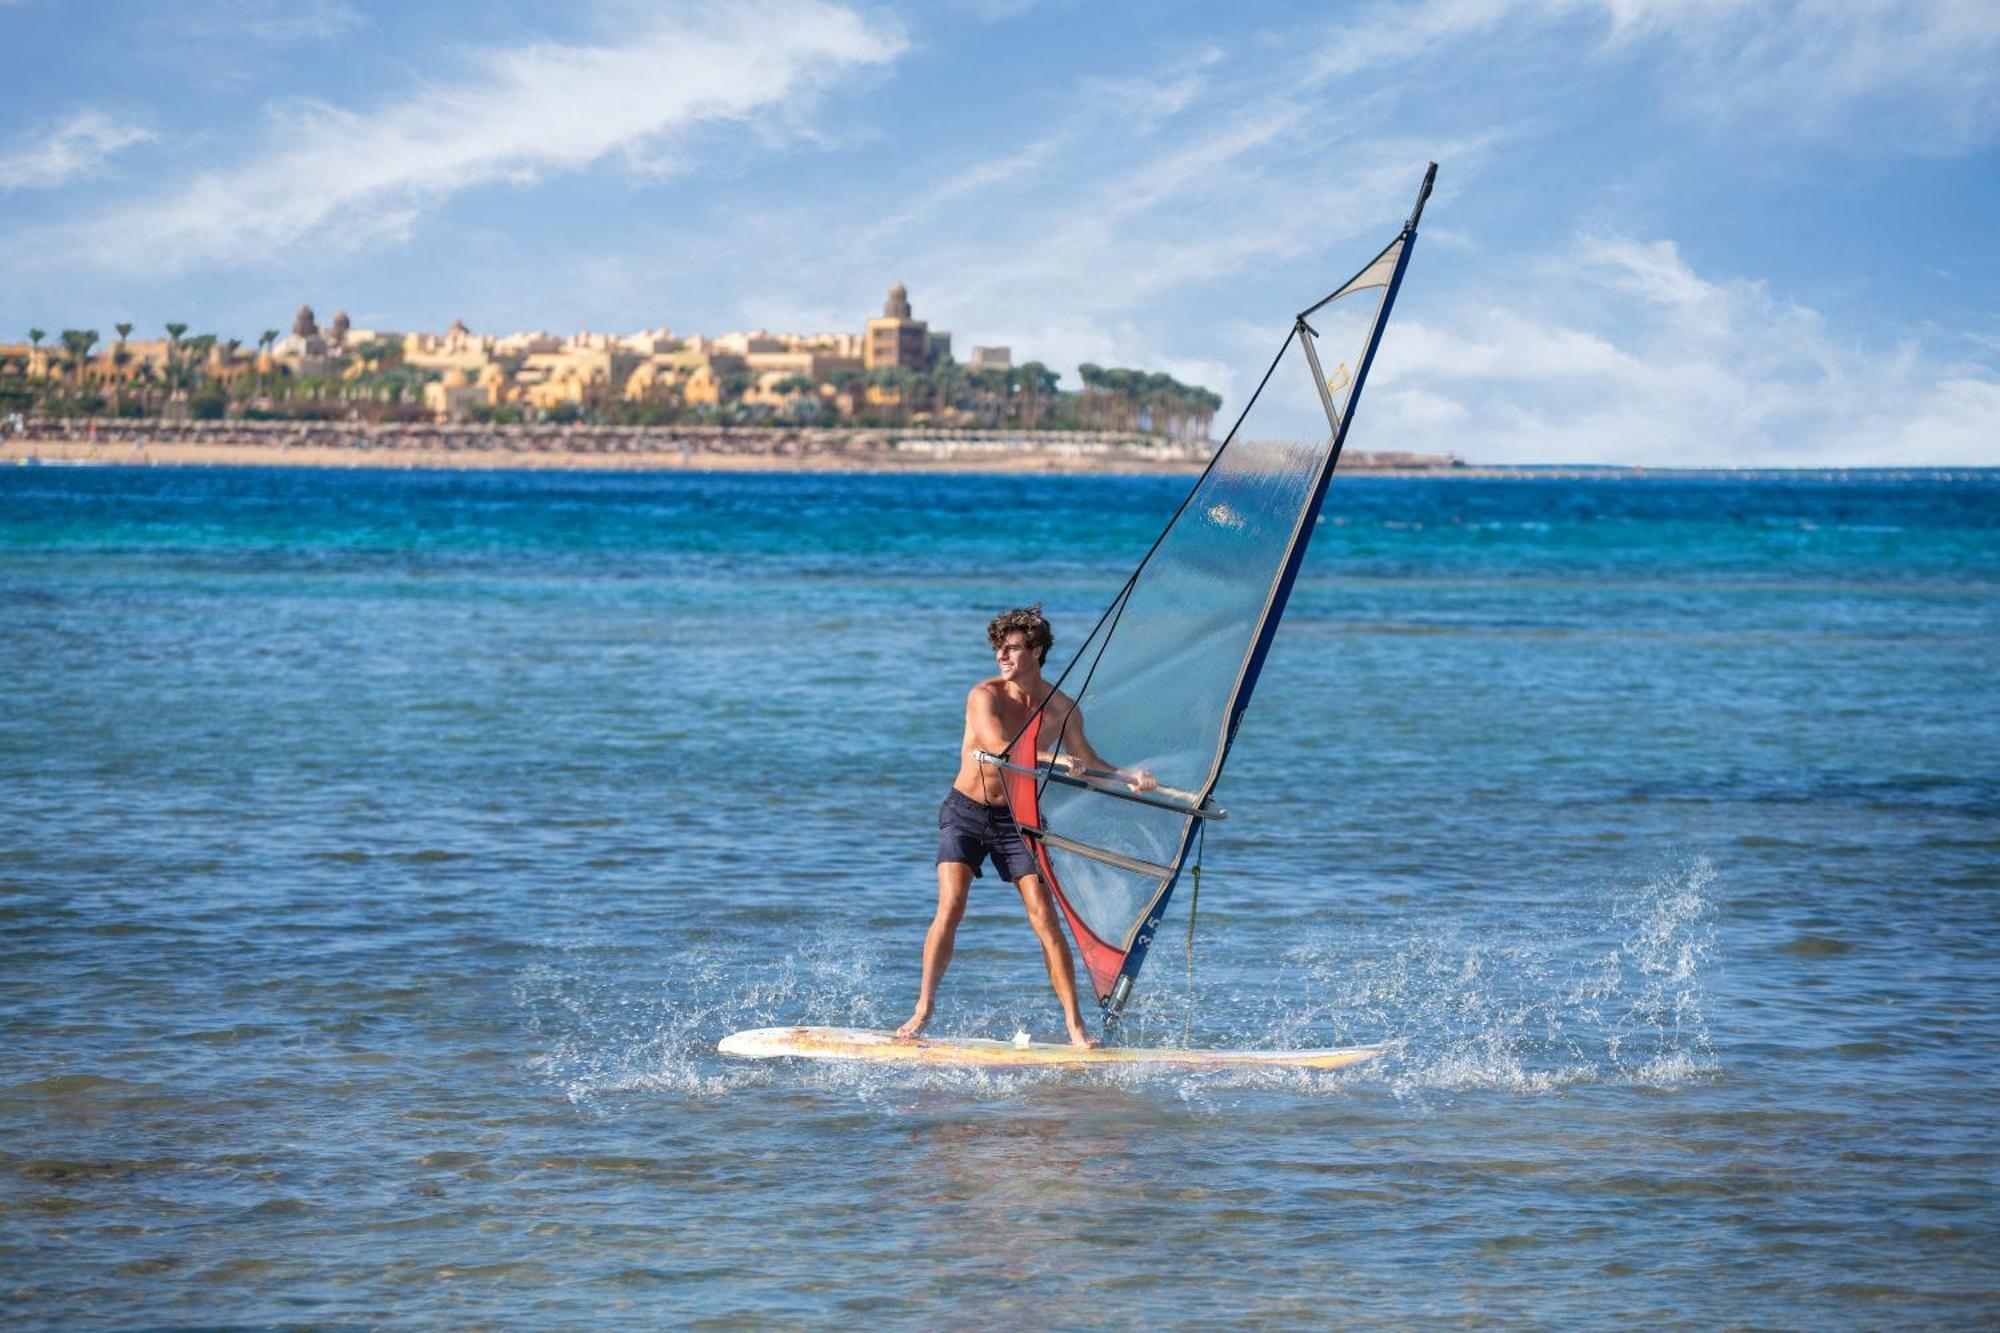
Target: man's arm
pixel 982 720
pixel 1081 755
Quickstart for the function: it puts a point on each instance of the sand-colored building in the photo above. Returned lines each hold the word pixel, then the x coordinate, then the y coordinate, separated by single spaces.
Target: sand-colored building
pixel 454 395
pixel 897 338
pixel 465 372
pixel 112 364
pixel 457 348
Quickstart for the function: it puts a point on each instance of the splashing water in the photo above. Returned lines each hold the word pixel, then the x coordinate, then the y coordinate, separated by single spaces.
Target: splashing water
pixel 1598 992
pixel 606 1037
pixel 1589 997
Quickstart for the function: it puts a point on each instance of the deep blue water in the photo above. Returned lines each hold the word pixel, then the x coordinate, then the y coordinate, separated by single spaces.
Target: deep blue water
pixel 382 854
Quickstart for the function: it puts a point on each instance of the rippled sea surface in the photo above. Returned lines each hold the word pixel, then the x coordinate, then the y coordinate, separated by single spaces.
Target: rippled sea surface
pixel 382 855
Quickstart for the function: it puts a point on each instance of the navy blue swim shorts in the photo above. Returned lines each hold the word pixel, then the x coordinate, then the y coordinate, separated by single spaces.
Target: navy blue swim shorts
pixel 969 831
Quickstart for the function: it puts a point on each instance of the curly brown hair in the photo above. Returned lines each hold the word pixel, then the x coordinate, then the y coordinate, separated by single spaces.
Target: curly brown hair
pixel 1031 622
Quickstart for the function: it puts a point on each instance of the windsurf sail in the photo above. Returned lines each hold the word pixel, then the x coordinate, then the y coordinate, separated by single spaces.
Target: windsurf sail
pixel 1162 681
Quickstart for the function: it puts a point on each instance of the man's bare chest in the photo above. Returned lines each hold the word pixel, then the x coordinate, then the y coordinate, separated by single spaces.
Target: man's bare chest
pixel 1015 715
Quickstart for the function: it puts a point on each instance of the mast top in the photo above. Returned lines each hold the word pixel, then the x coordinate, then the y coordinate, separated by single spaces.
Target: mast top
pixel 1423 193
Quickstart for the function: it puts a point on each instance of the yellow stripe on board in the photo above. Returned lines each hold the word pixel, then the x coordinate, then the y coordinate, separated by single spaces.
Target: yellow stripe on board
pixel 887 1048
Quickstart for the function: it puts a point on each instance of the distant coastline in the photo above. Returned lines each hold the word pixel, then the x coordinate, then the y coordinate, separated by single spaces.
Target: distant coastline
pixel 583 448
pixel 629 448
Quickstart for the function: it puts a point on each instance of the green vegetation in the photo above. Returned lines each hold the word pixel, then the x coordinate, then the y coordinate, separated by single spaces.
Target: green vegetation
pixel 1150 403
pixel 208 378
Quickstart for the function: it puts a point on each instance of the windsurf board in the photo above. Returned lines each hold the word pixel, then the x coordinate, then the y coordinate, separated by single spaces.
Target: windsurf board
pixel 887 1048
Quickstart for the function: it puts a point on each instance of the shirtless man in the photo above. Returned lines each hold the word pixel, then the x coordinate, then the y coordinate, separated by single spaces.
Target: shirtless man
pixel 974 822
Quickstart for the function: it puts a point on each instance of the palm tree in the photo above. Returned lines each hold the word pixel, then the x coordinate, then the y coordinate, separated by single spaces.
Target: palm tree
pixel 193 368
pixel 174 332
pixel 946 379
pixel 903 382
pixel 884 381
pixel 793 387
pixel 1037 383
pixel 265 370
pixel 78 342
pixel 1092 376
pixel 120 358
pixel 35 336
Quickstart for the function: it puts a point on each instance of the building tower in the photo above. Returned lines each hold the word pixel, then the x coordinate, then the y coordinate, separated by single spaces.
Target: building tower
pixel 895 339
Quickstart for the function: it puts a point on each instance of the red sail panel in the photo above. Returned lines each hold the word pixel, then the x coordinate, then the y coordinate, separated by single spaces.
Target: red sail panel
pixel 1100 959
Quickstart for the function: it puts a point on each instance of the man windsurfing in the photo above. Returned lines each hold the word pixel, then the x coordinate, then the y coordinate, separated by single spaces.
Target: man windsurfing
pixel 975 824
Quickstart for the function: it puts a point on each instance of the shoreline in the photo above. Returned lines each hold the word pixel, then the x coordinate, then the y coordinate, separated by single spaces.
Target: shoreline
pixel 81 452
pixel 586 447
pixel 942 459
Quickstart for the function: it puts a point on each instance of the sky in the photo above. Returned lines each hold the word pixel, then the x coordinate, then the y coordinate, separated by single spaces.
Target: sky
pixel 1669 232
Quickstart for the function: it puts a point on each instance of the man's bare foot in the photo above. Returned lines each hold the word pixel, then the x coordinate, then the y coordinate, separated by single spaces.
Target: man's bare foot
pixel 914 1026
pixel 1079 1037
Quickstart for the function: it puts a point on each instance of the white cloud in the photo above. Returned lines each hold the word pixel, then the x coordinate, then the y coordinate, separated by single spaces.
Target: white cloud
pixel 1501 344
pixel 1635 358
pixel 333 174
pixel 68 150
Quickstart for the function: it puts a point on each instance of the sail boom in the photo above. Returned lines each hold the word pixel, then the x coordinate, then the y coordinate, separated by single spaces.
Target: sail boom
pixel 1193 809
pixel 1109 858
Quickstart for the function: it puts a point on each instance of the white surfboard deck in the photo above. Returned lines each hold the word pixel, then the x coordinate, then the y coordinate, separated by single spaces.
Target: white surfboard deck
pixel 887 1048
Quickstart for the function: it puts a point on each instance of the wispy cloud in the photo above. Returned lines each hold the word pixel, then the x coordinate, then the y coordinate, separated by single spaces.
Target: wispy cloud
pixel 1137 225
pixel 73 148
pixel 994 11
pixel 1922 73
pixel 1168 204
pixel 269 22
pixel 523 113
pixel 1918 75
pixel 1633 357
pixel 1065 245
pixel 1103 111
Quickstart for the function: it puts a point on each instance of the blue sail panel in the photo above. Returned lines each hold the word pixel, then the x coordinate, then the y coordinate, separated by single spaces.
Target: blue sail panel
pixel 1159 687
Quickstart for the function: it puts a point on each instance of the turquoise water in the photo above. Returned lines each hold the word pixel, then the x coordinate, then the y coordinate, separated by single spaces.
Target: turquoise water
pixel 382 855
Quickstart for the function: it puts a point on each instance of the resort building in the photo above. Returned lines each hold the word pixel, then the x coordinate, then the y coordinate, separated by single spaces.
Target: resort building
pixel 897 339
pixel 453 396
pixel 459 374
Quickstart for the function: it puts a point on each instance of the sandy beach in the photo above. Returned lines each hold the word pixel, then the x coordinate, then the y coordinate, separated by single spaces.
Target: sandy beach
pixel 577 447
pixel 153 443
pixel 176 454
